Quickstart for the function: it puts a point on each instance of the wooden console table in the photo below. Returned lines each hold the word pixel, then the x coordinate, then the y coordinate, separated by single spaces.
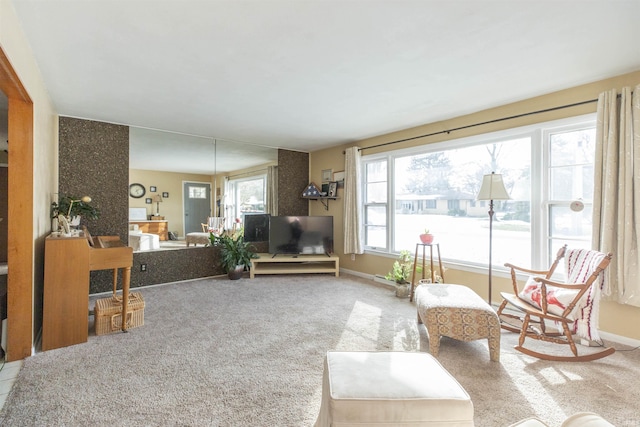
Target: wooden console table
pixel 161 228
pixel 295 264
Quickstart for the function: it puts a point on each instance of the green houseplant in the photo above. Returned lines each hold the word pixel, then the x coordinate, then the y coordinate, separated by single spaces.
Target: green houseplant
pixel 236 254
pixel 80 206
pixel 402 268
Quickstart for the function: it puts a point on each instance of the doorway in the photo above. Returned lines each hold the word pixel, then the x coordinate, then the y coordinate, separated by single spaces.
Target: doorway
pixel 197 205
pixel 20 293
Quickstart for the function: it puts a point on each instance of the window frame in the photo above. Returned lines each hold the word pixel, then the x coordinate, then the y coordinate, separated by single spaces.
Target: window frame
pixel 232 188
pixel 539 202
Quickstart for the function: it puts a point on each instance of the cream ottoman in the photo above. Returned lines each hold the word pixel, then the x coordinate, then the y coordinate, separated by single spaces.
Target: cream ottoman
pixel 455 311
pixel 390 389
pixel 581 419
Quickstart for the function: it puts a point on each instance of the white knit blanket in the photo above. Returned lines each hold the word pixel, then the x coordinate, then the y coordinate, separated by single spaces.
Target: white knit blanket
pixel 580 264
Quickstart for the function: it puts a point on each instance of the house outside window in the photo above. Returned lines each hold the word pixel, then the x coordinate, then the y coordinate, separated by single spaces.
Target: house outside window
pixel 545 167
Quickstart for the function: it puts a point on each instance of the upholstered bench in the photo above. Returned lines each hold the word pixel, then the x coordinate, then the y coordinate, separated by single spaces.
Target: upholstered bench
pixel 390 389
pixel 197 237
pixel 455 311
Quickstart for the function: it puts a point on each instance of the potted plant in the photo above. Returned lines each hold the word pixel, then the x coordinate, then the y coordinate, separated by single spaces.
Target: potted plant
pixel 72 208
pixel 236 254
pixel 426 237
pixel 401 272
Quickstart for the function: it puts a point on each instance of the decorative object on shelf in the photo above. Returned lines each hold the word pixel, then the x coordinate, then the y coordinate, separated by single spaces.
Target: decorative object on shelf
pixel 311 191
pixel 165 195
pixel 152 188
pixel 333 189
pixel 236 254
pixel 325 189
pixel 63 225
pixel 157 199
pixel 492 189
pixel 426 237
pixel 339 178
pixel 326 175
pixel 137 190
pixel 148 200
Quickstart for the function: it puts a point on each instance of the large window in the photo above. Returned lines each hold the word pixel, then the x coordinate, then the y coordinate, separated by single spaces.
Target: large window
pixel 244 196
pixel 435 186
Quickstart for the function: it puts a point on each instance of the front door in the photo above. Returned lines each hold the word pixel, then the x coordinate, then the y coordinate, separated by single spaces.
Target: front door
pixel 197 205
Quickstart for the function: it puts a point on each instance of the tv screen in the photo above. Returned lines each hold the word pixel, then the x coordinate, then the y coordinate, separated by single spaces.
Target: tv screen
pixel 256 227
pixel 301 235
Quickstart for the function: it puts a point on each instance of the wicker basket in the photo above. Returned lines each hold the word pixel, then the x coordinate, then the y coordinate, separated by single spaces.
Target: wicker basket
pixel 108 313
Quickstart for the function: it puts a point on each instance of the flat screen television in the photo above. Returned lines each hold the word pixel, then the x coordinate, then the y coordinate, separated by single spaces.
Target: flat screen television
pixel 301 235
pixel 256 227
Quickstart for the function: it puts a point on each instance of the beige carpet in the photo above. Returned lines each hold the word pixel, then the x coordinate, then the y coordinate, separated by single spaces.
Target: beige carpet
pixel 250 353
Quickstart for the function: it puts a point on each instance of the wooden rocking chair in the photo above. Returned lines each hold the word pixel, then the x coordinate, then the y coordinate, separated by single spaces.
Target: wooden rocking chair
pixel 573 306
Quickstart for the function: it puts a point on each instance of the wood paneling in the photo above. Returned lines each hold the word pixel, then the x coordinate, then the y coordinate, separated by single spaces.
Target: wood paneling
pixel 20 239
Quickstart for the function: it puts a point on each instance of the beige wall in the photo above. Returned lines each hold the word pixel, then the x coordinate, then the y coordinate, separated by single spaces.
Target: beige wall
pixel 615 318
pixel 171 182
pixel 45 141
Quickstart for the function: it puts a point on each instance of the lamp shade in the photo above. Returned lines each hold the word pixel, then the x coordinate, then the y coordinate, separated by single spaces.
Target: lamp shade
pixel 493 188
pixel 157 198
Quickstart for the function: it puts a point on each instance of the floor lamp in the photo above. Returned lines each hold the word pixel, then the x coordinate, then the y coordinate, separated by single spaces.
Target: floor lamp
pixel 492 189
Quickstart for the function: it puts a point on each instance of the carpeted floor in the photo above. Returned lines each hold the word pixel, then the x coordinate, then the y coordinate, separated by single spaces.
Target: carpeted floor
pixel 250 353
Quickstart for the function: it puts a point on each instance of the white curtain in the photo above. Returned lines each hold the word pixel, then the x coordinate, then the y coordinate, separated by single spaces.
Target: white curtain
pixel 352 206
pixel 616 211
pixel 272 190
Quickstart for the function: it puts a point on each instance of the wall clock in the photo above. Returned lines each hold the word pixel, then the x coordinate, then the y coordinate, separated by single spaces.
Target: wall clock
pixel 137 190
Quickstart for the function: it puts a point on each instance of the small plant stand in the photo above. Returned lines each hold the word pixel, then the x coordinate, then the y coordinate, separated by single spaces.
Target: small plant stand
pixel 415 265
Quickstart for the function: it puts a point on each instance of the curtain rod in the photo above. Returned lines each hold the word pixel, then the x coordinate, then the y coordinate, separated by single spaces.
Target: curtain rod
pixel 246 173
pixel 546 110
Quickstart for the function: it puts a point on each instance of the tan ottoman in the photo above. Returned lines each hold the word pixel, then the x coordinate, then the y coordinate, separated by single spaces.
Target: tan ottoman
pixel 390 389
pixel 197 237
pixel 455 311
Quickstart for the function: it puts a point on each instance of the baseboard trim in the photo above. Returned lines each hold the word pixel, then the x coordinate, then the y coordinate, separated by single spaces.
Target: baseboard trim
pixel 619 339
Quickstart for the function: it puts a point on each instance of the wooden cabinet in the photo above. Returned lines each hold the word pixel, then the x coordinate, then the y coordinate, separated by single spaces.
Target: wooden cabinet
pixel 161 228
pixel 66 292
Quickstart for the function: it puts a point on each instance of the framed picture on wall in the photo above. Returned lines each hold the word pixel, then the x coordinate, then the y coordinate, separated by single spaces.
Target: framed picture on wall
pixel 152 188
pixel 148 200
pixel 333 189
pixel 339 177
pixel 165 195
pixel 326 175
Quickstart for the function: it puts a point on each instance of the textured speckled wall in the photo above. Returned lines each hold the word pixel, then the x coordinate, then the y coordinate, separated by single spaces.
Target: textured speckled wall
pixel 293 178
pixel 94 161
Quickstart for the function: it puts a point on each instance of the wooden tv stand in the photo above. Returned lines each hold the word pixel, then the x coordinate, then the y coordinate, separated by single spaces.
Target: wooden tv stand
pixel 295 264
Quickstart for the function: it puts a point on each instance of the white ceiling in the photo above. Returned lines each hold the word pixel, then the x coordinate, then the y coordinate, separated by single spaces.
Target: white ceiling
pixel 309 74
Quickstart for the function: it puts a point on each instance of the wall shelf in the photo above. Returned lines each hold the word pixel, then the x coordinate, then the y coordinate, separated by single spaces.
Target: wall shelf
pixel 324 200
